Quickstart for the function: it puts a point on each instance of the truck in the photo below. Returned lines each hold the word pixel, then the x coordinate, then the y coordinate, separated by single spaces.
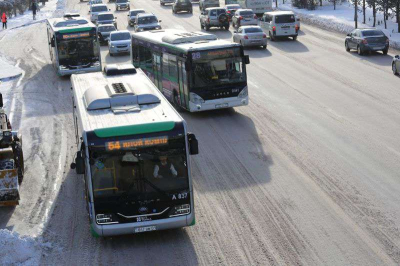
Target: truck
pixel 258 6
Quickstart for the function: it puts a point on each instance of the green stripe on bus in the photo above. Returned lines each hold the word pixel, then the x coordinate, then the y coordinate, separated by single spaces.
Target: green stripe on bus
pixel 193 221
pixel 93 232
pixel 75 30
pixel 134 129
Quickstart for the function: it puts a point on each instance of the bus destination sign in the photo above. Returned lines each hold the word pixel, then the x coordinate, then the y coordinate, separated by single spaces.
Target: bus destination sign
pixel 135 143
pixel 216 54
pixel 76 35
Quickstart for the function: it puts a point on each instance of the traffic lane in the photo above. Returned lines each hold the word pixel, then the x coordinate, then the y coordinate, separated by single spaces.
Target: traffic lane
pixel 322 85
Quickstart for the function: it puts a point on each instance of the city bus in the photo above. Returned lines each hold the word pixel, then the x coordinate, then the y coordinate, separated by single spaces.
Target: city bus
pixel 194 70
pixel 73 45
pixel 133 150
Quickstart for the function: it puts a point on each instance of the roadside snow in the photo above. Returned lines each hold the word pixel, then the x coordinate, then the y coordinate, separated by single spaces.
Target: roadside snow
pixel 20 250
pixel 342 19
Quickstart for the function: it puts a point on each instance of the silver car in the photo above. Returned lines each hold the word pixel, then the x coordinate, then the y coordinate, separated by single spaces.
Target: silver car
pixel 119 42
pixel 95 10
pixel 250 36
pixel 396 65
pixel 244 17
pixel 132 16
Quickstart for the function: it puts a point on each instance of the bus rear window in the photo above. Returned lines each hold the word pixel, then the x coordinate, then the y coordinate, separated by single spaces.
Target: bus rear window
pixel 285 19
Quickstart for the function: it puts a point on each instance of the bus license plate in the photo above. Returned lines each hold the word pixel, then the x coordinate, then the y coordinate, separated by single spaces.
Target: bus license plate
pixel 145 229
pixel 222 105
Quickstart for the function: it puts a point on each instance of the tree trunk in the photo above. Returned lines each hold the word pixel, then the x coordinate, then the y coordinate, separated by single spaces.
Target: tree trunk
pixel 320 2
pixel 334 4
pixel 355 15
pixel 363 8
pixel 398 15
pixel 374 13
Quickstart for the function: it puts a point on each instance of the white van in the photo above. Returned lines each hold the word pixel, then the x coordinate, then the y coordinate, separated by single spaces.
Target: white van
pixel 280 24
pixel 203 4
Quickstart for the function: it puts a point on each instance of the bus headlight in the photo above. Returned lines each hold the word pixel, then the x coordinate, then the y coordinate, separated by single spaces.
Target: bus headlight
pixel 106 219
pixel 180 210
pixel 194 98
pixel 244 93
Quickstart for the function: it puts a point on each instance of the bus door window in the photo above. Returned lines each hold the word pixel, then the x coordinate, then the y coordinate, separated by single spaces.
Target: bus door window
pixel 135 55
pixel 165 71
pixel 182 78
pixel 157 71
pixel 173 73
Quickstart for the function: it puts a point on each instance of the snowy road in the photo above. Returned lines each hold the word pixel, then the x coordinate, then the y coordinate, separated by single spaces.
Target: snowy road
pixel 307 174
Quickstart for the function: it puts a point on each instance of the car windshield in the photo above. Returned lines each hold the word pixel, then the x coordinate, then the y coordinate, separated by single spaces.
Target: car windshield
pixel 285 19
pixel 369 33
pixel 106 28
pixel 253 30
pixel 217 72
pixel 96 9
pixel 139 172
pixel 121 36
pixel 147 20
pixel 246 13
pixel 105 17
pixel 134 13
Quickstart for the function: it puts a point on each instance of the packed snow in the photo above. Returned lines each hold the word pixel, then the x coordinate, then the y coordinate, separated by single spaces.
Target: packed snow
pixel 342 19
pixel 20 250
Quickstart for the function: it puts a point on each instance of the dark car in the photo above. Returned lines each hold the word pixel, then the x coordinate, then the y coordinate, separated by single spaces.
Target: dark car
pixel 182 5
pixel 104 31
pixel 231 9
pixel 366 41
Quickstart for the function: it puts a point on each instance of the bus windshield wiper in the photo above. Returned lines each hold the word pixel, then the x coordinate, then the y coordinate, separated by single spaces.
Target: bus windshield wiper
pixel 125 194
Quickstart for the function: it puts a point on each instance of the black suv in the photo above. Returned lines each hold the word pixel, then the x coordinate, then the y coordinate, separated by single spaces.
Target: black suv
pixel 182 5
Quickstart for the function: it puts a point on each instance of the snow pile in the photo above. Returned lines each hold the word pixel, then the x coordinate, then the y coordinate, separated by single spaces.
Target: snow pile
pixel 342 19
pixel 18 250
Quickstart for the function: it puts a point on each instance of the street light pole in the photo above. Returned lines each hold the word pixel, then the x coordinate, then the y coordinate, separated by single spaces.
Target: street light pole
pixel 355 13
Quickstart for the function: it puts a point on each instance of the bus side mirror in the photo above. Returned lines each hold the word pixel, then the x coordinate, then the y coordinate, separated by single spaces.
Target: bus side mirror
pixel 79 164
pixel 246 59
pixel 193 144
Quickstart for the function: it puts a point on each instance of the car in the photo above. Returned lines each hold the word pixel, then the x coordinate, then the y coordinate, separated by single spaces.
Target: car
pixel 214 17
pixel 367 40
pixel 250 36
pixel 122 4
pixel 396 64
pixel 132 16
pixel 103 32
pixel 280 24
pixel 95 10
pixel 71 15
pixel 231 9
pixel 182 5
pixel 119 42
pixel 244 17
pixel 106 18
pixel 94 2
pixel 203 4
pixel 163 2
pixel 147 21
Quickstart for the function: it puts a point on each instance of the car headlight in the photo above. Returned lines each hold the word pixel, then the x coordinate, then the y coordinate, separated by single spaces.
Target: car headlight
pixel 106 219
pixel 140 29
pixel 179 210
pixel 194 98
pixel 244 93
pixel 112 46
pixel 158 28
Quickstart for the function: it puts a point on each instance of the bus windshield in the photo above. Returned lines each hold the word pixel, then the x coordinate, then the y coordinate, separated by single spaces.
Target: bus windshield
pixel 217 72
pixel 149 173
pixel 77 52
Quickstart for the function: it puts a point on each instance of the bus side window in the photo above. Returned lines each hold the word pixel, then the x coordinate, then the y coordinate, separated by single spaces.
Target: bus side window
pixel 173 71
pixel 135 55
pixel 148 59
pixel 142 62
pixel 165 71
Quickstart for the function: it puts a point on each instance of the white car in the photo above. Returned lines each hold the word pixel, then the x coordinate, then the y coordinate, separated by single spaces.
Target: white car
pixel 280 24
pixel 95 10
pixel 250 36
pixel 244 17
pixel 119 42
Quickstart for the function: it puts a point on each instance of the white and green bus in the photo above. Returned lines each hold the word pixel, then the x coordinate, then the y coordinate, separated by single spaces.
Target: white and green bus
pixel 73 45
pixel 194 70
pixel 134 152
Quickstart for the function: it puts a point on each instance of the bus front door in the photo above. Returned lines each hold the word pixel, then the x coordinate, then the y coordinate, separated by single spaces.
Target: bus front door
pixel 157 71
pixel 183 89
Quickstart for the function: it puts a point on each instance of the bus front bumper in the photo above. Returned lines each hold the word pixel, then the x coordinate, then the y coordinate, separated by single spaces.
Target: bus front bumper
pixel 141 227
pixel 218 104
pixel 67 72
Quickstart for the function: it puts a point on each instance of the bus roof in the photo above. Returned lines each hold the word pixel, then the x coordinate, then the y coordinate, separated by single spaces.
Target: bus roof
pixel 69 24
pixel 120 101
pixel 184 40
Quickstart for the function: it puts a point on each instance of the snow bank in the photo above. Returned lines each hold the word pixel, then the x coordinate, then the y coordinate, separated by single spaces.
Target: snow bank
pixel 20 250
pixel 342 19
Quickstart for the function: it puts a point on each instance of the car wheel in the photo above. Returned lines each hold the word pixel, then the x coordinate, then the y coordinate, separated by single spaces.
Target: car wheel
pixel 111 54
pixel 294 38
pixel 346 44
pixel 201 26
pixel 394 69
pixel 191 11
pixel 207 27
pixel 359 51
pixel 385 51
pixel 264 47
pixel 227 27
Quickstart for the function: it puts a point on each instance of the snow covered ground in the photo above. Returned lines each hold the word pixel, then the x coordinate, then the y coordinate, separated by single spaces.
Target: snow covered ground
pixel 21 250
pixel 342 19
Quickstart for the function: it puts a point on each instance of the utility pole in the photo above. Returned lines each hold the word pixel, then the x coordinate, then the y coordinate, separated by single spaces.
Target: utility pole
pixel 355 14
